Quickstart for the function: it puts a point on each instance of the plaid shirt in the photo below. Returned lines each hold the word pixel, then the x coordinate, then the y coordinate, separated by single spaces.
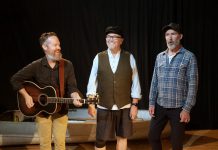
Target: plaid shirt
pixel 174 84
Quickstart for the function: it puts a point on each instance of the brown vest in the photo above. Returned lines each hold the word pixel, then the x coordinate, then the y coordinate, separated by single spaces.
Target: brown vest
pixel 114 88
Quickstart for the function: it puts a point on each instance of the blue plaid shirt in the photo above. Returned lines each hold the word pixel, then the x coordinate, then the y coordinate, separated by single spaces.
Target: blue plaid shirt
pixel 174 84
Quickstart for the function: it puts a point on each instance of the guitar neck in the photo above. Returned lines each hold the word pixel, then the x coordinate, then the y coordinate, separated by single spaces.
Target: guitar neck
pixel 63 100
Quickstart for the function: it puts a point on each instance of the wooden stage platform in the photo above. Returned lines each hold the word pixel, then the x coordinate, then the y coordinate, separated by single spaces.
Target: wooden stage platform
pixel 81 128
pixel 194 140
pixel 15 135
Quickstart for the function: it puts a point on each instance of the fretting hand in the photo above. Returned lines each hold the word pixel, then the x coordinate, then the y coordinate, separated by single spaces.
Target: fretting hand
pixel 76 99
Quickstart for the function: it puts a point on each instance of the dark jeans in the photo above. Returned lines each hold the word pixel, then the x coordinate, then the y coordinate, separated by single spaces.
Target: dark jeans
pixel 162 116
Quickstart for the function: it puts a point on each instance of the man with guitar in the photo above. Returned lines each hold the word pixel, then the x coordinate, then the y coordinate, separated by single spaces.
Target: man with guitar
pixel 50 76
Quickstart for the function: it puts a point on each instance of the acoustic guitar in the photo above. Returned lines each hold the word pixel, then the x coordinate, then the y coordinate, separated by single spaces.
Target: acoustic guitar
pixel 45 100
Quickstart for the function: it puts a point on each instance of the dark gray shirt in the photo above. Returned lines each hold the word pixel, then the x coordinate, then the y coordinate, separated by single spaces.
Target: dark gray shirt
pixel 43 75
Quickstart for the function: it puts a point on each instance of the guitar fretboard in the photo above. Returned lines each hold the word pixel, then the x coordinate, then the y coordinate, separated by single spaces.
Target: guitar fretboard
pixel 63 100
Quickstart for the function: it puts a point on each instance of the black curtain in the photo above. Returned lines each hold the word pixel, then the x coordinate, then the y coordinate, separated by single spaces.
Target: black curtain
pixel 80 26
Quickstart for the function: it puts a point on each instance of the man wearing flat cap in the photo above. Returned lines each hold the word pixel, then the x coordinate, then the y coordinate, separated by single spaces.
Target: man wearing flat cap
pixel 173 89
pixel 114 77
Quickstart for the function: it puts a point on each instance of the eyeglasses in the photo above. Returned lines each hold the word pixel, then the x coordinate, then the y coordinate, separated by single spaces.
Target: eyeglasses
pixel 112 37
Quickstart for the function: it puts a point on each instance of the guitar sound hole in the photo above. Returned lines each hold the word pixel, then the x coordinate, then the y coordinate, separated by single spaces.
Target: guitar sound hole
pixel 43 99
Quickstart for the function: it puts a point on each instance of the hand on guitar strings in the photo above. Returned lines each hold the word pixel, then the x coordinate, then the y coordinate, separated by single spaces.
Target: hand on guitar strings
pixel 29 101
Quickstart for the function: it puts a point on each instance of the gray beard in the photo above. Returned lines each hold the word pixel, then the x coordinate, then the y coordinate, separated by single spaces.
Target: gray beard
pixel 171 46
pixel 174 45
pixel 52 58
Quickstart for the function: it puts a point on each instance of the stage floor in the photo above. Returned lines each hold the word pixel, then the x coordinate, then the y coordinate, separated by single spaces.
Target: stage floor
pixel 194 140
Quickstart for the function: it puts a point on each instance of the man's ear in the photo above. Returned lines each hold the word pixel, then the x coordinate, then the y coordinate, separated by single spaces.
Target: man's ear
pixel 122 41
pixel 44 47
pixel 181 36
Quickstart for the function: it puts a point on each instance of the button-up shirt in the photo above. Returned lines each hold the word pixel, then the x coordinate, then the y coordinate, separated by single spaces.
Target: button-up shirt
pixel 174 84
pixel 42 74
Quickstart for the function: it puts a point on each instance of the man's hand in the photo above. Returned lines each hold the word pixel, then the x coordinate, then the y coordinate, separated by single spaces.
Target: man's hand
pixel 151 111
pixel 133 112
pixel 92 110
pixel 29 101
pixel 27 97
pixel 184 116
pixel 76 99
pixel 91 107
pixel 134 108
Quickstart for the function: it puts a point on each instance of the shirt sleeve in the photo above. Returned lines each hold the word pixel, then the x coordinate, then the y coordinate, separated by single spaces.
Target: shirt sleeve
pixel 92 83
pixel 136 88
pixel 153 88
pixel 24 74
pixel 192 76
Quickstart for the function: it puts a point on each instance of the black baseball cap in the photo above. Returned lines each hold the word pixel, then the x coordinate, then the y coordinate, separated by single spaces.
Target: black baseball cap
pixel 173 26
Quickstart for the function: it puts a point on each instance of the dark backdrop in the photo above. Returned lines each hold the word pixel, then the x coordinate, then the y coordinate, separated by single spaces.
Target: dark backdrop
pixel 80 25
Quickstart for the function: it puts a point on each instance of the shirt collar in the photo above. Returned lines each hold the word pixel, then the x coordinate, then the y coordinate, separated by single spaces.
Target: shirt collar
pixel 110 53
pixel 181 50
pixel 45 63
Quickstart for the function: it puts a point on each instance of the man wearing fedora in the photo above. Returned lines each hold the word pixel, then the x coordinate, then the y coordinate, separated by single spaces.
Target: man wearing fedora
pixel 114 77
pixel 173 89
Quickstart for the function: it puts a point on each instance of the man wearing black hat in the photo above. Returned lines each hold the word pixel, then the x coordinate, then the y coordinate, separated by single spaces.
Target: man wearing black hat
pixel 114 77
pixel 173 89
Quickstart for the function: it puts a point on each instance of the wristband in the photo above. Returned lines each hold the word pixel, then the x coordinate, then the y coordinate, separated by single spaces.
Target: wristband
pixel 135 104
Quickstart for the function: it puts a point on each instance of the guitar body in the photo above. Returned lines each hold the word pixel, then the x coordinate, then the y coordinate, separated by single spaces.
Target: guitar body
pixel 46 100
pixel 39 96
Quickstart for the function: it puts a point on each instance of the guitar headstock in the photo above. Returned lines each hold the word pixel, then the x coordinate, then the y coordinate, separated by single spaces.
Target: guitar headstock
pixel 92 99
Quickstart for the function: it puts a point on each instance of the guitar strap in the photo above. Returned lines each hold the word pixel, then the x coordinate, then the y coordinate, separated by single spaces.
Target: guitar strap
pixel 61 77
